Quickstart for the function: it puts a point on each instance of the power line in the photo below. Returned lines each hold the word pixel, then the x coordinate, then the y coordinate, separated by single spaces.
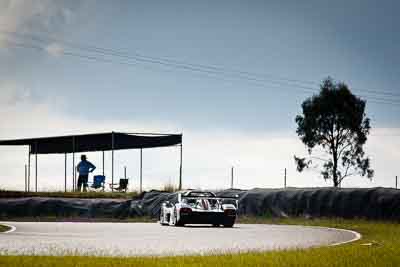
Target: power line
pixel 181 66
pixel 254 81
pixel 100 59
pixel 173 61
pixel 150 59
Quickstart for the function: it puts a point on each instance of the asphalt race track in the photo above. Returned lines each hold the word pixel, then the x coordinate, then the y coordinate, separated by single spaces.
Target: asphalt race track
pixel 137 239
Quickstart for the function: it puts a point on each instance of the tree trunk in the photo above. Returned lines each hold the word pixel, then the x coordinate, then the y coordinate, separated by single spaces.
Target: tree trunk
pixel 335 165
pixel 335 181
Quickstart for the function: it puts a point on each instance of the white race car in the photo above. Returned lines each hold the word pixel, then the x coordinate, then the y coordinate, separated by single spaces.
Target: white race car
pixel 199 207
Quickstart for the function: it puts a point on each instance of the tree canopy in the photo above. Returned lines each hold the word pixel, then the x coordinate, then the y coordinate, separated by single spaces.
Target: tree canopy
pixel 335 121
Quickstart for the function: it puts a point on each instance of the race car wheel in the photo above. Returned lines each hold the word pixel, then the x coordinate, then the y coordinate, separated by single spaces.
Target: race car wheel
pixel 162 222
pixel 229 222
pixel 161 218
pixel 176 221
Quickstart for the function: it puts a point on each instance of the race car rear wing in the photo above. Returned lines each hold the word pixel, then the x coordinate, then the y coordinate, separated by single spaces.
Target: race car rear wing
pixel 235 199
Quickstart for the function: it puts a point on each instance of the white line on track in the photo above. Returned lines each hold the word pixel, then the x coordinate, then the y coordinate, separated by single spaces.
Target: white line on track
pixel 12 228
pixel 150 239
pixel 357 237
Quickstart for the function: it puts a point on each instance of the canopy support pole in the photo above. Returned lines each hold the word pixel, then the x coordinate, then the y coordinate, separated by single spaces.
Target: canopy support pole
pixel 73 172
pixel 29 169
pixel 180 168
pixel 73 164
pixel 141 171
pixel 112 161
pixel 103 162
pixel 26 177
pixel 36 170
pixel 65 173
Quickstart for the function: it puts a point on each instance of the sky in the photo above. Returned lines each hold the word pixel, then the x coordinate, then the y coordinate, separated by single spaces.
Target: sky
pixel 74 67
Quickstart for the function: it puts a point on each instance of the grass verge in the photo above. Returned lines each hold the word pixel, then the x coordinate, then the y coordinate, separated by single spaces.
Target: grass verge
pixel 378 247
pixel 4 228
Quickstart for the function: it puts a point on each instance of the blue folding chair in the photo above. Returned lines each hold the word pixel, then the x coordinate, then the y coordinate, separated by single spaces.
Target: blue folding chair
pixel 98 182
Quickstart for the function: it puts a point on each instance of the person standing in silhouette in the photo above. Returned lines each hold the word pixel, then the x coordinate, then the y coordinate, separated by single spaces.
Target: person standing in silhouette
pixel 84 168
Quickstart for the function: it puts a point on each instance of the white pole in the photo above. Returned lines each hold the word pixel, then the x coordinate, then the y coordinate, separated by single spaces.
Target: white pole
pixel 73 164
pixel 103 162
pixel 26 177
pixel 180 168
pixel 36 168
pixel 65 172
pixel 29 169
pixel 112 161
pixel 141 171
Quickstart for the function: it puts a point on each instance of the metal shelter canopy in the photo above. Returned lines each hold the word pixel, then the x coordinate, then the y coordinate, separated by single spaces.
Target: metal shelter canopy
pixel 94 142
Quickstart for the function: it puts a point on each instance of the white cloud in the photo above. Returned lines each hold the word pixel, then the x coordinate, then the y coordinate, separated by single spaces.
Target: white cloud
pixel 55 49
pixel 12 95
pixel 20 17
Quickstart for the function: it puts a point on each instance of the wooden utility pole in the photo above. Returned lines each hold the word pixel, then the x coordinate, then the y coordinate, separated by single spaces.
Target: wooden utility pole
pixel 284 182
pixel 232 177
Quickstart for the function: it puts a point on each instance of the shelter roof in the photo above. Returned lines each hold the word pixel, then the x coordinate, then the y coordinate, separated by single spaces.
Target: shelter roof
pixel 95 142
